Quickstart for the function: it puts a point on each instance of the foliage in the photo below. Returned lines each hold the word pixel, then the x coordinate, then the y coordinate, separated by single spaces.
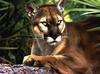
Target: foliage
pixel 84 8
pixel 15 32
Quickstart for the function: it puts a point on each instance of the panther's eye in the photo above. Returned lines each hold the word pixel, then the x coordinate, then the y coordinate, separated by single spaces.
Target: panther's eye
pixel 61 26
pixel 59 22
pixel 44 23
pixel 43 26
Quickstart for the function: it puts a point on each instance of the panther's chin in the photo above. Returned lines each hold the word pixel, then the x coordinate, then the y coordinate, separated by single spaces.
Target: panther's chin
pixel 53 44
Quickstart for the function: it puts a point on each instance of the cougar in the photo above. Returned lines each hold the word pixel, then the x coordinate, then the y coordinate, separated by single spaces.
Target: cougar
pixel 65 47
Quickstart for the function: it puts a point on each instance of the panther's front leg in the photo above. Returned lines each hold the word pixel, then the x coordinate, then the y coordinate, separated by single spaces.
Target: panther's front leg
pixel 53 61
pixel 43 60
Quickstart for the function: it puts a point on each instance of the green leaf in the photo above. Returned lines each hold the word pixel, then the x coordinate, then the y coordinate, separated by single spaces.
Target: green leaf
pixel 83 9
pixel 94 29
pixel 87 13
pixel 8 48
pixel 84 3
pixel 4 2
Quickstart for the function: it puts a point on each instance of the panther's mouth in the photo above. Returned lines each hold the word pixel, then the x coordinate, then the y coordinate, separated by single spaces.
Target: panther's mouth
pixel 52 41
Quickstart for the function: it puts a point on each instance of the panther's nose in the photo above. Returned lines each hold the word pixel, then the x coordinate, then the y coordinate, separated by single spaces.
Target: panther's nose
pixel 54 36
pixel 54 33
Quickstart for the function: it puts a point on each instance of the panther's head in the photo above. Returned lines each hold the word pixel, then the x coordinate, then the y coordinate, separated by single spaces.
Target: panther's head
pixel 48 21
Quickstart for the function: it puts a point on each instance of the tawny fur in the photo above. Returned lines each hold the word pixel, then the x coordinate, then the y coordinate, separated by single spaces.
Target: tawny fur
pixel 75 54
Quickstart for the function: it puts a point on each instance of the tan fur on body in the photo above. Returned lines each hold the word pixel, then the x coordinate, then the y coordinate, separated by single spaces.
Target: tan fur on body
pixel 69 56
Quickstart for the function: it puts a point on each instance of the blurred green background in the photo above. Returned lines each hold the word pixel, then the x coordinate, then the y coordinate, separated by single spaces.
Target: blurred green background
pixel 15 33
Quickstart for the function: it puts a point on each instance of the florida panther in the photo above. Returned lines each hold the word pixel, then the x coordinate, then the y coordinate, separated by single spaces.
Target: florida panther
pixel 64 46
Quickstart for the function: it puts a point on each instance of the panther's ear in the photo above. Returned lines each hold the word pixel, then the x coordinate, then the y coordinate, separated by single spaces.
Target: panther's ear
pixel 31 9
pixel 60 5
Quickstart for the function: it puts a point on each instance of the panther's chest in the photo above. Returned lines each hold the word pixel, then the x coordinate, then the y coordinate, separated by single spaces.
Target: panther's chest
pixel 42 47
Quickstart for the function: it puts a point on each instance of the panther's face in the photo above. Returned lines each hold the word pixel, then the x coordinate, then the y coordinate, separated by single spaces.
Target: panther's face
pixel 48 23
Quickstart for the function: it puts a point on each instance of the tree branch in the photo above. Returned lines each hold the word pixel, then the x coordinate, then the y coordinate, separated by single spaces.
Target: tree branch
pixel 21 69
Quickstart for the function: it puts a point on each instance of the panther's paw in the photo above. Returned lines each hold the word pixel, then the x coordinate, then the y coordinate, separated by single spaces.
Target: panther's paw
pixel 31 61
pixel 28 61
